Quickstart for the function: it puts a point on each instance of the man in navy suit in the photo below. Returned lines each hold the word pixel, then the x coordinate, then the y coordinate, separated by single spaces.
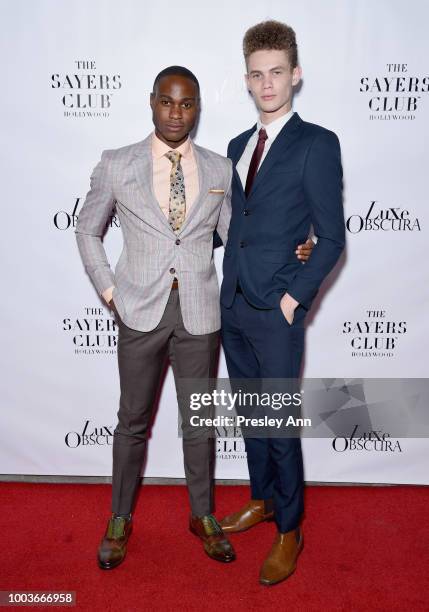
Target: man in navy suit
pixel 287 179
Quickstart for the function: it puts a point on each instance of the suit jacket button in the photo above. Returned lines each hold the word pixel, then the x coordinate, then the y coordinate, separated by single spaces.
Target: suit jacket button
pixel 172 271
pixel 242 244
pixel 178 242
pixel 246 212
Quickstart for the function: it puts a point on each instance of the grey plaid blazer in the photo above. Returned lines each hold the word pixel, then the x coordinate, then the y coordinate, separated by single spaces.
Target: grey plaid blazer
pixel 152 253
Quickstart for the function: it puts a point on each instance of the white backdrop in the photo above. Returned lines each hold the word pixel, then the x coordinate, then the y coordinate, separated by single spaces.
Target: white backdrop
pixel 364 76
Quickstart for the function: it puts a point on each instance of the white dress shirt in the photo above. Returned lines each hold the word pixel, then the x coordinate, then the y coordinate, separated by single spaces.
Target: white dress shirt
pixel 273 129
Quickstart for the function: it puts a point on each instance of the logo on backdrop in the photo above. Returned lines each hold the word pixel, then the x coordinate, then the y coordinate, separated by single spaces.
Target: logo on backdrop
pixel 385 219
pixel 367 441
pixel 375 335
pixel 229 443
pixel 101 435
pixel 64 219
pixel 93 334
pixel 86 93
pixel 395 95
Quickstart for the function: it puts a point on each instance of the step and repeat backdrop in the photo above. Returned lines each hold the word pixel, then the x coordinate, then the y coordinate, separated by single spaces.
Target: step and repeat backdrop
pixel 76 80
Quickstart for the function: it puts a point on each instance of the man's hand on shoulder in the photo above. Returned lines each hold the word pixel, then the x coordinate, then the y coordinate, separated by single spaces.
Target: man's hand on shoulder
pixel 303 251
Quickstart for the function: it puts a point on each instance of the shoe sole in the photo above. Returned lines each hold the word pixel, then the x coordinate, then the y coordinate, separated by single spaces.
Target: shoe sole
pixel 109 566
pixel 220 559
pixel 228 530
pixel 267 583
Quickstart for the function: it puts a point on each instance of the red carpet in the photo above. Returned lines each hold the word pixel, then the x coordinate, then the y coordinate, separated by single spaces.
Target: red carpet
pixel 366 548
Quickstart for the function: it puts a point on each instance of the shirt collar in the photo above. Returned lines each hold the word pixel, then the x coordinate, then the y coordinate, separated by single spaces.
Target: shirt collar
pixel 275 126
pixel 159 148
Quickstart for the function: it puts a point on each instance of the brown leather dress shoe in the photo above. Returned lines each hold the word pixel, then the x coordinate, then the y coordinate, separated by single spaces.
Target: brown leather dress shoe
pixel 216 545
pixel 251 514
pixel 113 546
pixel 281 562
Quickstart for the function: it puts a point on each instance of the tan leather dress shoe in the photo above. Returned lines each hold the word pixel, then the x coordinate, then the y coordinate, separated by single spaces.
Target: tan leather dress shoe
pixel 251 514
pixel 216 545
pixel 281 562
pixel 113 546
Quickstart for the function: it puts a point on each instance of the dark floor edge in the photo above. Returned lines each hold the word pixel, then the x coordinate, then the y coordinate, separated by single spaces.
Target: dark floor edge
pixel 176 481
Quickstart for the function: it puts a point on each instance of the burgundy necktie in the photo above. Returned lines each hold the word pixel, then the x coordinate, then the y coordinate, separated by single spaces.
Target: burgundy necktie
pixel 254 162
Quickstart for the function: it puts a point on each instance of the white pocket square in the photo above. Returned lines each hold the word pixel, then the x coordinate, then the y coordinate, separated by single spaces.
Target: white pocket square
pixel 213 190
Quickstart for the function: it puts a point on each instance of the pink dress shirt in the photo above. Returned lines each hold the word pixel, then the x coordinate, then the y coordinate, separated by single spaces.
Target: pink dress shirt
pixel 161 179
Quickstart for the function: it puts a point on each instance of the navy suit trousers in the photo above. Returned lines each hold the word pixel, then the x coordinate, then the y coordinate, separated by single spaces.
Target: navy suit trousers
pixel 261 344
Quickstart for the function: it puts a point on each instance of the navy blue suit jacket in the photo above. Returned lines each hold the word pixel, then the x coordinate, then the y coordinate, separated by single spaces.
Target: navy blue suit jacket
pixel 298 184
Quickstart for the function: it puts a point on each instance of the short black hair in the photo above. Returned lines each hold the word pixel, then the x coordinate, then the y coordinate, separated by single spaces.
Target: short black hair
pixel 176 71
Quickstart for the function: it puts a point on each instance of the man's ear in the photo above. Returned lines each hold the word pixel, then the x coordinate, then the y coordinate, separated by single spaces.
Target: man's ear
pixel 152 100
pixel 296 75
pixel 246 80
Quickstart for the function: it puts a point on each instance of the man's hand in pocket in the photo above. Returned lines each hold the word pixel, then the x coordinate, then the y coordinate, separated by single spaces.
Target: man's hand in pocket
pixel 288 305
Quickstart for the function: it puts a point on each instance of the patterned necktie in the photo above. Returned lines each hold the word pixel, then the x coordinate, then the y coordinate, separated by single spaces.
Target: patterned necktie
pixel 177 202
pixel 254 162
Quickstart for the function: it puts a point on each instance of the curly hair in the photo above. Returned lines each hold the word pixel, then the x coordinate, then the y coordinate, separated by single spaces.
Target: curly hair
pixel 271 35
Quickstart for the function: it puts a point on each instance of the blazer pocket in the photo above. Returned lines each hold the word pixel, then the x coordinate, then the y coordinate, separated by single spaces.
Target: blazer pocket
pixel 286 178
pixel 280 170
pixel 275 256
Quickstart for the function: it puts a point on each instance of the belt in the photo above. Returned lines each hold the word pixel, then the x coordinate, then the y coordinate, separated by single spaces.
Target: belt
pixel 175 284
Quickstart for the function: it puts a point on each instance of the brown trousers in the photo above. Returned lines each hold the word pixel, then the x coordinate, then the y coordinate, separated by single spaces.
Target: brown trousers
pixel 141 359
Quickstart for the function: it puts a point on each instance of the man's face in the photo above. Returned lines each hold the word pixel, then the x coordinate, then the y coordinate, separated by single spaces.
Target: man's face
pixel 175 107
pixel 270 79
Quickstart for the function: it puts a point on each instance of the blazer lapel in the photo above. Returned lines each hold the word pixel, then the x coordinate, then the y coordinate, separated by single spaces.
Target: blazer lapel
pixel 204 173
pixel 287 136
pixel 143 170
pixel 235 157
